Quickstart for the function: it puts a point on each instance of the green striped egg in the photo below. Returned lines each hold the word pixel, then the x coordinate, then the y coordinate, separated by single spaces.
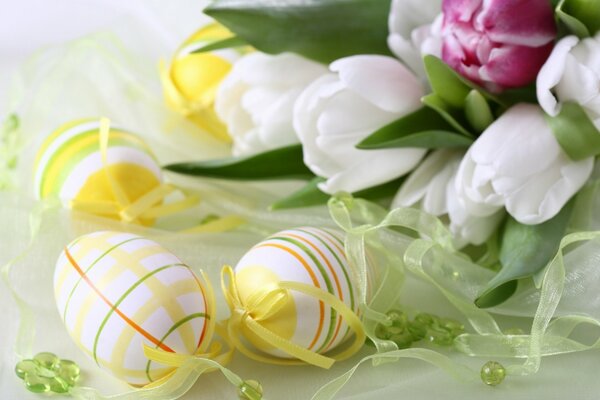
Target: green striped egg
pixel 69 164
pixel 306 255
pixel 117 291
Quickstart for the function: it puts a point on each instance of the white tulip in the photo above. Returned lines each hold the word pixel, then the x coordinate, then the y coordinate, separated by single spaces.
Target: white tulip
pixel 518 164
pixel 572 72
pixel 432 187
pixel 337 111
pixel 415 30
pixel 427 184
pixel 256 100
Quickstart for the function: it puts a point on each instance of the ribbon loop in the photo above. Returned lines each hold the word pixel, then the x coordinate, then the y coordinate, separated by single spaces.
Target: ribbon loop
pixel 266 303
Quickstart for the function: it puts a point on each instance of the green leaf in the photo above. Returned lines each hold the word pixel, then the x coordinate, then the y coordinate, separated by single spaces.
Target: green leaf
pixel 323 30
pixel 282 163
pixel 477 111
pixel 311 195
pixel 222 44
pixel 454 116
pixel 575 132
pixel 445 82
pixel 423 128
pixel 524 250
pixel 581 17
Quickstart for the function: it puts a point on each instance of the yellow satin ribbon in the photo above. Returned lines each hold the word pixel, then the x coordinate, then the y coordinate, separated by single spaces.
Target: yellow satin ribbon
pixel 266 303
pixel 147 207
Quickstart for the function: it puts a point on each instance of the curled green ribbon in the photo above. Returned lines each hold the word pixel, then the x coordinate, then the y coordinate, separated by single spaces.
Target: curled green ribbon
pixel 430 256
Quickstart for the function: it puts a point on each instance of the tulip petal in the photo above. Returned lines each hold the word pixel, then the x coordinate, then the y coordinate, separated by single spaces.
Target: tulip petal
pixel 527 23
pixel 381 80
pixel 307 110
pixel 380 167
pixel 551 73
pixel 416 186
pixel 546 194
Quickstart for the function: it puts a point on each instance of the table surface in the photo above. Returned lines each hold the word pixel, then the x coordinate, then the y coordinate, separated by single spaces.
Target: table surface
pixel 28 25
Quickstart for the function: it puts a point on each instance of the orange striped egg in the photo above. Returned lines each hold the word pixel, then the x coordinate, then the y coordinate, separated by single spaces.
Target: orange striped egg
pixel 116 292
pixel 306 255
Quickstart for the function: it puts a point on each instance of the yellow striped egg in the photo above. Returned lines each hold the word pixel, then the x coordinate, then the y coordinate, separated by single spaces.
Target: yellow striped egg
pixel 117 291
pixel 69 165
pixel 306 255
pixel 191 83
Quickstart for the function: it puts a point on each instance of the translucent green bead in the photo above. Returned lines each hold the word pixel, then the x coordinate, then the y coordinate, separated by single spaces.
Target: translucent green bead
pixel 417 330
pixel 492 373
pixel 68 371
pixel 452 326
pixel 426 319
pixel 250 390
pixel 37 384
pixel 47 360
pixel 439 337
pixel 398 318
pixel 26 367
pixel 48 373
pixel 382 332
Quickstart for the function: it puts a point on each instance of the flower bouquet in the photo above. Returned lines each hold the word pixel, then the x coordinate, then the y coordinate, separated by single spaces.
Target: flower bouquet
pixel 345 157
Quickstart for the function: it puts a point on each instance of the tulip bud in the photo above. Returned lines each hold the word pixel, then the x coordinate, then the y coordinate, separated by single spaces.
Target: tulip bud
pixel 497 43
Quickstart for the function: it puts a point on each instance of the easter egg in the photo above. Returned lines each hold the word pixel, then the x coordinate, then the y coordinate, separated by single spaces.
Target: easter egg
pixel 191 82
pixel 306 255
pixel 69 165
pixel 116 292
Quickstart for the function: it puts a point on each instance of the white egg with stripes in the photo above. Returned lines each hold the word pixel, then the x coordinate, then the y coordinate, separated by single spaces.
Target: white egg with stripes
pixel 71 166
pixel 117 292
pixel 307 255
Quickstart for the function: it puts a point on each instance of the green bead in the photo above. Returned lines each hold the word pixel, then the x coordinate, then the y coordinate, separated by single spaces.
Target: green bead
pixel 397 317
pixel 26 367
pixel 47 360
pixel 37 384
pixel 417 330
pixel 68 371
pixel 454 327
pixel 492 373
pixel 250 390
pixel 439 337
pixel 57 385
pixel 382 332
pixel 426 319
pixel 403 340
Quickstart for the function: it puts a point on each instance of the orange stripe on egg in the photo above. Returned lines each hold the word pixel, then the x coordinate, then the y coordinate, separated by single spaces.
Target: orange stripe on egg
pixel 314 280
pixel 131 323
pixel 335 278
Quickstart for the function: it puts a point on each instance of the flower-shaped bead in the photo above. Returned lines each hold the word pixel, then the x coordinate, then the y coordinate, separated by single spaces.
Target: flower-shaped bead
pixel 47 373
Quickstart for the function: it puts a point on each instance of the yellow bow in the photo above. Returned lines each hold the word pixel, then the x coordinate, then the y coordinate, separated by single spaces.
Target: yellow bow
pixel 266 303
pixel 149 206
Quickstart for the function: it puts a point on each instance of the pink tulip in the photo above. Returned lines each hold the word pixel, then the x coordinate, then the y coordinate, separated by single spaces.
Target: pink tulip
pixel 498 43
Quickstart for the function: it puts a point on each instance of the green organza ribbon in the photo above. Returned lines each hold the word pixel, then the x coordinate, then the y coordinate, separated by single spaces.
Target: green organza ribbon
pixel 432 258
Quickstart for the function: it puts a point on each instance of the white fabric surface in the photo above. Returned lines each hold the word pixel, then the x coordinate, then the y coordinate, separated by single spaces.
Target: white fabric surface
pixel 25 26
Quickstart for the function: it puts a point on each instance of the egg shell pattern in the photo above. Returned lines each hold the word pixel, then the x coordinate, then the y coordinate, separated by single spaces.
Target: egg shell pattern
pixel 69 164
pixel 117 291
pixel 307 255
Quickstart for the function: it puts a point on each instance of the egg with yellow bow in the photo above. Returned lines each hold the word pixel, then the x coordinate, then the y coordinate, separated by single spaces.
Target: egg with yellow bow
pixel 191 81
pixel 117 292
pixel 295 288
pixel 73 166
